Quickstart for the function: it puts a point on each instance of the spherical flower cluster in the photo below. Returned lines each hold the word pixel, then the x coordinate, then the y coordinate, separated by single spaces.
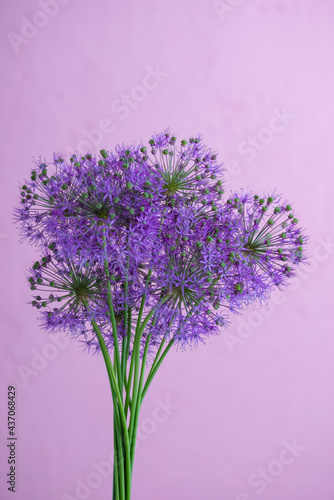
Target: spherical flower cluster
pixel 147 228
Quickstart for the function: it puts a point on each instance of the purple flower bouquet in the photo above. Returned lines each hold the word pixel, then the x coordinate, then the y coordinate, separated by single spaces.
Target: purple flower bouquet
pixel 140 251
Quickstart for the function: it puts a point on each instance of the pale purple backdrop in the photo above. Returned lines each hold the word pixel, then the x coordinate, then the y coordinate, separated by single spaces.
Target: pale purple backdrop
pixel 250 414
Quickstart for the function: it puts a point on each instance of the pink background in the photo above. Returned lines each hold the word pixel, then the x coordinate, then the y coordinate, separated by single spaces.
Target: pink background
pixel 227 72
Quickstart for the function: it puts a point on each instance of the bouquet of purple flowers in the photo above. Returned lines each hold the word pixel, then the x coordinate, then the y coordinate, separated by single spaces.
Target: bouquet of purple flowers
pixel 140 251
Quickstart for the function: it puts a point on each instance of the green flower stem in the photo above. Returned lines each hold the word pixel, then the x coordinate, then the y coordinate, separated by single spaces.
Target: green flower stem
pixel 117 407
pixel 119 457
pixel 117 470
pixel 138 406
pixel 158 353
pixel 155 368
pixel 132 365
pixel 135 362
pixel 123 355
pixel 126 321
pixel 115 474
pixel 115 337
pixel 113 322
pixel 135 359
pixel 124 435
pixel 115 482
pixel 128 386
pixel 125 351
pixel 136 394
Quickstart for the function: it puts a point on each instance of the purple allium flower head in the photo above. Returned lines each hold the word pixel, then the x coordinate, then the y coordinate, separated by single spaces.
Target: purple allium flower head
pixel 151 220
